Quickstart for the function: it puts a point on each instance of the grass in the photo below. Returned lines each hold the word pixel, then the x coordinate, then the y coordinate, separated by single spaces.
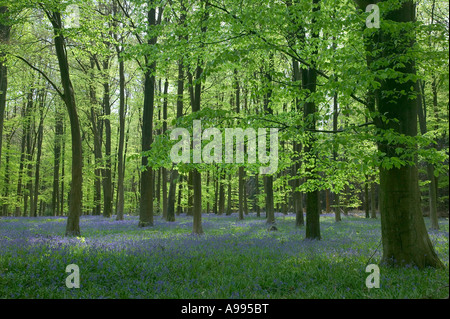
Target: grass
pixel 233 259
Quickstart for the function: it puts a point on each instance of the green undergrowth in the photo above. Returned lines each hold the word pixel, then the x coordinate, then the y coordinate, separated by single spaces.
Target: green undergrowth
pixel 232 259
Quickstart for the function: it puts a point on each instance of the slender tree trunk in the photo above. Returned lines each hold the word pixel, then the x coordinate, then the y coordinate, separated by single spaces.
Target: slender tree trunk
pixel 366 198
pixel 337 209
pixel 312 197
pixel 7 177
pixel 38 154
pixel 207 192
pixel 175 176
pixel 421 107
pixel 196 103
pixel 245 197
pixel 257 207
pixel 373 208
pixel 29 157
pixel 327 201
pixel 120 155
pixel 4 39
pixel 163 169
pixel 171 198
pixel 17 212
pixel 220 178
pixel 346 197
pixel 146 200
pixel 63 168
pixel 180 193
pixel 96 125
pixel 190 190
pixel 107 179
pixel 216 193
pixel 56 162
pixel 73 224
pixel 268 184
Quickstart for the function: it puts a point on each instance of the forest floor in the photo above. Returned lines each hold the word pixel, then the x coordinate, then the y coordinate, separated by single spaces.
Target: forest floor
pixel 233 259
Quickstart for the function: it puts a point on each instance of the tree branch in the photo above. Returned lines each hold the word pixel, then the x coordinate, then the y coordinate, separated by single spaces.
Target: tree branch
pixel 292 54
pixel 43 74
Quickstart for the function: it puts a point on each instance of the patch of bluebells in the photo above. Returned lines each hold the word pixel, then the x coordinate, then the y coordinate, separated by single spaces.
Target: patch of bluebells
pixel 117 259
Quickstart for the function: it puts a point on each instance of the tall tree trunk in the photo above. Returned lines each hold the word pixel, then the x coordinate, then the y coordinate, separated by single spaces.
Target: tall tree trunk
pixel 404 235
pixel 180 193
pixel 346 199
pixel 7 177
pixel 73 220
pixel 170 217
pixel 268 179
pixel 256 203
pixel 312 197
pixel 146 200
pixel 107 179
pixel 337 208
pixel 190 194
pixel 120 155
pixel 175 176
pixel 97 129
pixel 39 152
pixel 366 198
pixel 196 175
pixel 221 204
pixel 245 197
pixel 327 201
pixel 421 107
pixel 229 196
pixel 241 171
pixel 163 169
pixel 29 156
pixel 373 208
pixel 4 39
pixel 56 161
pixel 63 167
pixel 196 103
pixel 216 193
pixel 17 212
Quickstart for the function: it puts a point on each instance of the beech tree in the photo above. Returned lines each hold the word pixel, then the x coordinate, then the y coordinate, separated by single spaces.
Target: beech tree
pixel 5 29
pixel 404 236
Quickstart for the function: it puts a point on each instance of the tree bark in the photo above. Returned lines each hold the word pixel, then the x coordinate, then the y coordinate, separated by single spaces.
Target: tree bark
pixel 373 209
pixel 146 199
pixel 96 127
pixel 229 196
pixel 73 220
pixel 268 179
pixel 220 178
pixel 57 161
pixel 421 107
pixel 28 194
pixel 4 39
pixel 7 177
pixel 39 152
pixel 404 235
pixel 366 198
pixel 163 169
pixel 120 155
pixel 17 212
pixel 107 179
